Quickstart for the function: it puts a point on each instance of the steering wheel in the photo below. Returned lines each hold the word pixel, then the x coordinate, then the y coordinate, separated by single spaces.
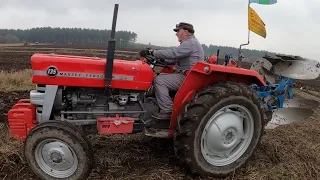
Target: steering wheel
pixel 156 62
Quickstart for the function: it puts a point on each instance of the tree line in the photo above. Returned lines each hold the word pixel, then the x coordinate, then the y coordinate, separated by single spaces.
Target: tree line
pixel 81 36
pixel 212 50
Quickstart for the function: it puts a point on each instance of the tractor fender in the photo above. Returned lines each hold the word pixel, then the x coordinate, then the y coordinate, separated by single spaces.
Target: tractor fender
pixel 204 74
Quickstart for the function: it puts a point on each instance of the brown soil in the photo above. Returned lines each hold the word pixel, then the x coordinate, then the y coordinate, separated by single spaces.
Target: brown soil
pixel 18 58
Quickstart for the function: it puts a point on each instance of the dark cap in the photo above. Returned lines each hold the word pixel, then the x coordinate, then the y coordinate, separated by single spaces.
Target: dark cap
pixel 185 26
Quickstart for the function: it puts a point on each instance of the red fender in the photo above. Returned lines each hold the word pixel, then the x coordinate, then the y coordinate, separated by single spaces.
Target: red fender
pixel 203 74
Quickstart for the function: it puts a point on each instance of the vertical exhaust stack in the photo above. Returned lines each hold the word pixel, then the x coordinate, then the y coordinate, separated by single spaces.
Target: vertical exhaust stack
pixel 111 50
pixel 218 53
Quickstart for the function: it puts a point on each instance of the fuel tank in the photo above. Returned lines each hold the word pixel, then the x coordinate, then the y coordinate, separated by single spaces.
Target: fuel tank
pixel 81 71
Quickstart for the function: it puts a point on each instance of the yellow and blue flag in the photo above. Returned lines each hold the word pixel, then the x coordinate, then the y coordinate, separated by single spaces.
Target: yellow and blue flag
pixel 256 24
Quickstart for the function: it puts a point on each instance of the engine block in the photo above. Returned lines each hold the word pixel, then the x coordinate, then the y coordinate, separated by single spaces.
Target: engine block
pixel 85 100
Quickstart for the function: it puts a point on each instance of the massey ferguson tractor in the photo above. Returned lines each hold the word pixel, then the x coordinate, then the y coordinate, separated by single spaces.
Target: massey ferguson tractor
pixel 218 118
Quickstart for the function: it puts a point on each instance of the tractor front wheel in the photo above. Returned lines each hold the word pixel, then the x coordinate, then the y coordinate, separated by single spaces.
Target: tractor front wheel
pixel 57 150
pixel 220 129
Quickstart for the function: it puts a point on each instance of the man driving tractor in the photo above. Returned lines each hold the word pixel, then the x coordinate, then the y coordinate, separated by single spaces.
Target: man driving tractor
pixel 185 57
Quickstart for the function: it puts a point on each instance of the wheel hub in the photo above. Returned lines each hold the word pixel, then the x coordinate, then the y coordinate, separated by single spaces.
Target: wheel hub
pixel 56 158
pixel 225 137
pixel 229 136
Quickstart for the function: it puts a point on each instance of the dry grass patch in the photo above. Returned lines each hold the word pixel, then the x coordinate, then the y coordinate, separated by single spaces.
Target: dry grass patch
pixel 16 81
pixel 10 149
pixel 11 44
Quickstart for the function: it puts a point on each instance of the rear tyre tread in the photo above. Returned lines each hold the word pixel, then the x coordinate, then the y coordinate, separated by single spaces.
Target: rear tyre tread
pixel 198 107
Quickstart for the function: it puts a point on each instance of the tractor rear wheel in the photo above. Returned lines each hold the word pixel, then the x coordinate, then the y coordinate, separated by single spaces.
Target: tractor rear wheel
pixel 219 129
pixel 57 150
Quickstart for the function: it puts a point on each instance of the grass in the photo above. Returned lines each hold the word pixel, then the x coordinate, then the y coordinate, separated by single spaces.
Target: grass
pixel 16 81
pixel 11 44
pixel 10 149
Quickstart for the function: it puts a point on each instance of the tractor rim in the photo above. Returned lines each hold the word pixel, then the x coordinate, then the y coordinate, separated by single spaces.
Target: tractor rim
pixel 56 158
pixel 227 135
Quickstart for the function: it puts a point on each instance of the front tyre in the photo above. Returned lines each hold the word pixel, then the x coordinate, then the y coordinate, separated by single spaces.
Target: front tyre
pixel 220 129
pixel 57 150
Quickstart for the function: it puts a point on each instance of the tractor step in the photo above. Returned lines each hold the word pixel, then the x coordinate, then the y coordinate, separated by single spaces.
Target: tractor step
pixel 157 124
pixel 159 133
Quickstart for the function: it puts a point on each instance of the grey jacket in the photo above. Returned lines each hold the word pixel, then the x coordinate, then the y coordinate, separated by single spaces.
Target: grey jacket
pixel 186 54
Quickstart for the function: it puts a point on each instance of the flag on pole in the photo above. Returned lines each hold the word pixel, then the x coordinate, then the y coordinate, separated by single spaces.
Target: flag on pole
pixel 264 2
pixel 255 23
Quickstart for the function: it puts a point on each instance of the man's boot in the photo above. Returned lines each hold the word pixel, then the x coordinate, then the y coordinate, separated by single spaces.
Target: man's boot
pixel 161 115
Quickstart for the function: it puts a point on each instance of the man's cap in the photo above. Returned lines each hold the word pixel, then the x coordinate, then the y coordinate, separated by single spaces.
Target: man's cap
pixel 185 26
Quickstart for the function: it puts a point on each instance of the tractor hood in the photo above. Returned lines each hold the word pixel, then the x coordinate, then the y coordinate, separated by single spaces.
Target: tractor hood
pixel 81 71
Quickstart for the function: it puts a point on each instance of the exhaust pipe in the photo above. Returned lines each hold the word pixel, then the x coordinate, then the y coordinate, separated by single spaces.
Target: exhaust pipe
pixel 111 50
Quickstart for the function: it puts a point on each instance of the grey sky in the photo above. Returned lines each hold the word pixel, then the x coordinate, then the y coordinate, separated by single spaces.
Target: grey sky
pixel 293 26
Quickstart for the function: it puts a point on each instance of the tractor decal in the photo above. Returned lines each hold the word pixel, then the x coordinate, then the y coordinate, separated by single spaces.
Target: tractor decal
pixel 51 72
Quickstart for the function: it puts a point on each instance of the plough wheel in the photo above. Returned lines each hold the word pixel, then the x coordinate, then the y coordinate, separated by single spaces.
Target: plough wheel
pixel 57 150
pixel 220 129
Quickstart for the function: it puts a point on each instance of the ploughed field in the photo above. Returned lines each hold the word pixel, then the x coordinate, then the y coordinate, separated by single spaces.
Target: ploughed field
pixel 18 57
pixel 288 152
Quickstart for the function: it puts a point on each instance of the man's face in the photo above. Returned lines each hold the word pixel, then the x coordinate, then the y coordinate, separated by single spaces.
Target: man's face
pixel 181 34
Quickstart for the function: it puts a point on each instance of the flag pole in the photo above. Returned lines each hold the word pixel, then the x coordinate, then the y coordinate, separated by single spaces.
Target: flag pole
pixel 239 53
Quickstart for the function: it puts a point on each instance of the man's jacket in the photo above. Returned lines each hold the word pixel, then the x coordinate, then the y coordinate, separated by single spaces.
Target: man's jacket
pixel 185 55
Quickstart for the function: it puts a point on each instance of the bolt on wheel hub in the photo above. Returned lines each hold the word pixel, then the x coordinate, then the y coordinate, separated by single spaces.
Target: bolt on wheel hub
pixel 56 157
pixel 229 136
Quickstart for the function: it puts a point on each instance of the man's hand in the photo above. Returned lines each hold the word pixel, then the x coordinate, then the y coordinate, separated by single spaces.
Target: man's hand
pixel 163 61
pixel 146 52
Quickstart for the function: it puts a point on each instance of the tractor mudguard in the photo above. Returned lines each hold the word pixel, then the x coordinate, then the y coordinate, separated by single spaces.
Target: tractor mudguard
pixel 203 74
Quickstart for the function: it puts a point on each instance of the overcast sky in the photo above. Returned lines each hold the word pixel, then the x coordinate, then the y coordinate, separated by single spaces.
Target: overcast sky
pixel 292 25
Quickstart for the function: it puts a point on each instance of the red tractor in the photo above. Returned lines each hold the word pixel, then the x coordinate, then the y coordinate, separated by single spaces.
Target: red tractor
pixel 216 123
